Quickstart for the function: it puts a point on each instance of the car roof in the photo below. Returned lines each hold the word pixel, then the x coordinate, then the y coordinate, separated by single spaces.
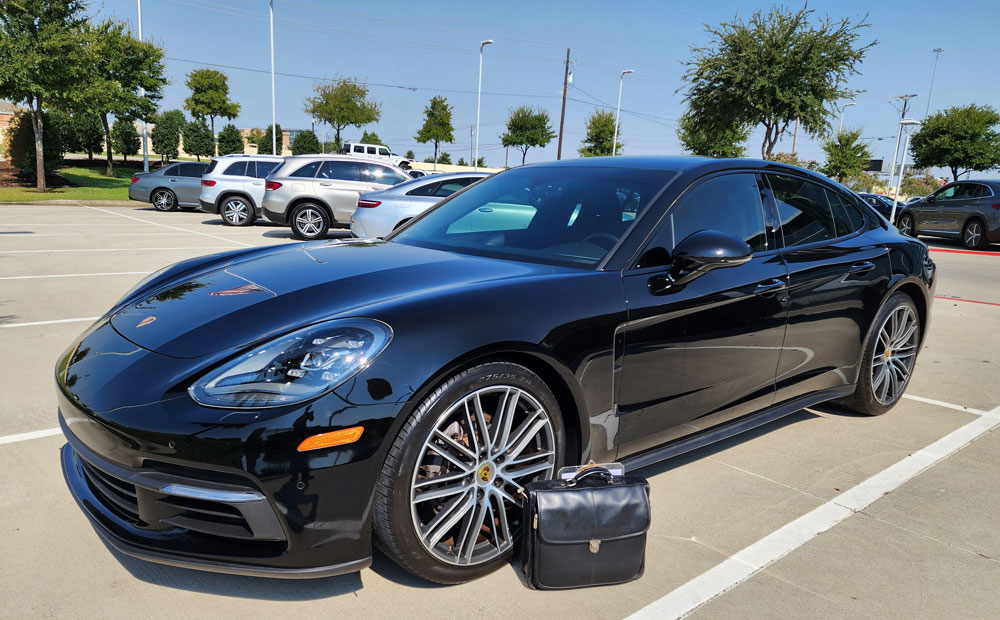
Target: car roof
pixel 677 163
pixel 248 155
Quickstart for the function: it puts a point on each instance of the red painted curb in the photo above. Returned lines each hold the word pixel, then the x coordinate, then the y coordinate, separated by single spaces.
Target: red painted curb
pixel 977 252
pixel 971 301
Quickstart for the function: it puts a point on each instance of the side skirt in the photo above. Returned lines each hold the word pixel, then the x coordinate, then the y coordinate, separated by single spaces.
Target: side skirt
pixel 712 435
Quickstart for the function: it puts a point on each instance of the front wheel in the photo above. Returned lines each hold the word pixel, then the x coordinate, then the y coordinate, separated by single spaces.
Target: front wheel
pixel 309 222
pixel 448 503
pixel 906 225
pixel 974 235
pixel 237 212
pixel 164 200
pixel 888 359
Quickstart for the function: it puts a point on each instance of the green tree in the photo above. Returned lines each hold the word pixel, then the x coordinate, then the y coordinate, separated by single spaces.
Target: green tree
pixel 255 135
pixel 230 140
pixel 166 133
pixel 913 185
pixel 410 154
pixel 87 134
pixel 343 103
pixel 846 155
pixel 437 124
pixel 264 143
pixel 198 140
pixel 697 140
pixel 481 162
pixel 774 69
pixel 960 138
pixel 370 137
pixel 600 135
pixel 210 96
pixel 124 137
pixel 305 143
pixel 42 61
pixel 119 65
pixel 444 157
pixel 20 141
pixel 526 128
pixel 864 182
pixel 461 162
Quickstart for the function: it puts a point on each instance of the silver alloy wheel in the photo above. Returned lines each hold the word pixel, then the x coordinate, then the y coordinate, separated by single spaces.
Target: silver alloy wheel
pixel 309 222
pixel 973 232
pixel 163 200
pixel 904 226
pixel 894 354
pixel 235 211
pixel 465 493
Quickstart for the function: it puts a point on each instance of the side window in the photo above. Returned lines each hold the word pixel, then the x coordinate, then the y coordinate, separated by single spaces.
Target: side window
pixel 424 190
pixel 383 151
pixel 846 217
pixel 251 168
pixel 359 149
pixel 372 150
pixel 341 171
pixel 264 168
pixel 946 193
pixel 307 171
pixel 729 203
pixel 237 169
pixel 173 171
pixel 450 187
pixel 212 166
pixel 804 210
pixel 383 175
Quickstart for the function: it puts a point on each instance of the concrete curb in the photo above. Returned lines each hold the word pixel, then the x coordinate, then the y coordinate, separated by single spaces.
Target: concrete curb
pixel 77 203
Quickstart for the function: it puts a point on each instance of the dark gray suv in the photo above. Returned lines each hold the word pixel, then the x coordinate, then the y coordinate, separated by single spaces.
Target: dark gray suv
pixel 966 210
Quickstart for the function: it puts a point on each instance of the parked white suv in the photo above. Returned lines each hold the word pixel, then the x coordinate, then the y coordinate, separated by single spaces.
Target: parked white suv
pixel 233 186
pixel 311 192
pixel 375 151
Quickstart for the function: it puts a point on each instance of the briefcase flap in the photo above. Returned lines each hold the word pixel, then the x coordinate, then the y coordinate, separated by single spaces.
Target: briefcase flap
pixel 582 514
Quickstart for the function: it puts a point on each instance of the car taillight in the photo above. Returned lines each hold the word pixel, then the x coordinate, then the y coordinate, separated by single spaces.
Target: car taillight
pixel 136 180
pixel 369 204
pixel 997 207
pixel 272 185
pixel 208 183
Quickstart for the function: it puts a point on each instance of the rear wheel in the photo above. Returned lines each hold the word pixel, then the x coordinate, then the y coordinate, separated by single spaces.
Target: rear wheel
pixel 163 200
pixel 888 359
pixel 236 211
pixel 905 225
pixel 974 235
pixel 448 503
pixel 309 221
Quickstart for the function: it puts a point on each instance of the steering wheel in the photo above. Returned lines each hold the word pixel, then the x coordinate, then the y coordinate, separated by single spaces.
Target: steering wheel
pixel 603 236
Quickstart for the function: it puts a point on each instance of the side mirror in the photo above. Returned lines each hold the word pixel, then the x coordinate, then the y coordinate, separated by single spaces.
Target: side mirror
pixel 699 253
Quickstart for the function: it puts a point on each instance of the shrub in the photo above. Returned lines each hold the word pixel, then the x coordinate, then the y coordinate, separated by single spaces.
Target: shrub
pixel 198 140
pixel 124 137
pixel 305 143
pixel 20 141
pixel 230 140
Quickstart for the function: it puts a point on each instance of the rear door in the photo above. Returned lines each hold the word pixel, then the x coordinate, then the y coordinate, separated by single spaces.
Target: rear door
pixel 257 171
pixel 187 186
pixel 339 183
pixel 836 278
pixel 233 176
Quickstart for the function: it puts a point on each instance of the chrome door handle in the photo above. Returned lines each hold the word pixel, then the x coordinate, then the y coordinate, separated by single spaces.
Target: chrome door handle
pixel 326 184
pixel 862 267
pixel 258 182
pixel 770 286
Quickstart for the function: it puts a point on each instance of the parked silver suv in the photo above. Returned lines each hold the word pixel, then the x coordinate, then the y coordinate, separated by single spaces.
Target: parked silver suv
pixel 312 192
pixel 233 186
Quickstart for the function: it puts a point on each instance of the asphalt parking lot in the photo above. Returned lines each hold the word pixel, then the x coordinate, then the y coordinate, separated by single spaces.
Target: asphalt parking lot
pixel 823 514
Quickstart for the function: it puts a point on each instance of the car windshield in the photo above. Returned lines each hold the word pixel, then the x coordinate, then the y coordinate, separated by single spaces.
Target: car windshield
pixel 571 215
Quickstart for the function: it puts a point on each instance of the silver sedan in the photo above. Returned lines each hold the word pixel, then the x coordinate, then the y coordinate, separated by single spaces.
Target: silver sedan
pixel 381 212
pixel 172 186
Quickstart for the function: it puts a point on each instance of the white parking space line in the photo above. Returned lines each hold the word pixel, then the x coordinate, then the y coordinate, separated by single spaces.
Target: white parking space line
pixel 193 232
pixel 747 562
pixel 53 322
pixel 32 435
pixel 941 403
pixel 77 275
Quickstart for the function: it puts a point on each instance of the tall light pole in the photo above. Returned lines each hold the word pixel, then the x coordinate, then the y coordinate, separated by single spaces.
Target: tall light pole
pixel 142 93
pixel 479 98
pixel 274 123
pixel 907 122
pixel 899 135
pixel 937 52
pixel 842 110
pixel 621 81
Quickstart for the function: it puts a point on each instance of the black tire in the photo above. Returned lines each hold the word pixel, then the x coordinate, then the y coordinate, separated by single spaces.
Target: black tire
pixel 163 200
pixel 864 399
pixel 309 221
pixel 974 234
pixel 905 225
pixel 395 530
pixel 236 211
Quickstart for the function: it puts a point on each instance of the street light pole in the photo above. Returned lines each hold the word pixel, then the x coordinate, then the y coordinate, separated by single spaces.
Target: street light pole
pixel 937 52
pixel 479 98
pixel 899 135
pixel 621 81
pixel 142 93
pixel 842 110
pixel 274 124
pixel 902 165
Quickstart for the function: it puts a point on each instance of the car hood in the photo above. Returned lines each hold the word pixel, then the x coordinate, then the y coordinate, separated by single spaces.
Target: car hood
pixel 254 300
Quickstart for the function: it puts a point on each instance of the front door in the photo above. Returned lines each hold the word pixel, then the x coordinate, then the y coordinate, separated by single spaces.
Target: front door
pixel 704 353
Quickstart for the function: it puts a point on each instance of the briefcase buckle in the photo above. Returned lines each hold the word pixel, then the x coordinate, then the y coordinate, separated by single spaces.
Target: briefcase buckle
pixel 595 546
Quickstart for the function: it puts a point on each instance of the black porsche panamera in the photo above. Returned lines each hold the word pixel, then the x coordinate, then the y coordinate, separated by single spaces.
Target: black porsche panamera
pixel 275 411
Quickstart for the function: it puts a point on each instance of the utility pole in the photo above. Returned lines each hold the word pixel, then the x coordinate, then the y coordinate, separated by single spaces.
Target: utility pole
pixel 471 154
pixel 142 93
pixel 562 115
pixel 274 123
pixel 506 152
pixel 937 53
pixel 795 135
pixel 899 134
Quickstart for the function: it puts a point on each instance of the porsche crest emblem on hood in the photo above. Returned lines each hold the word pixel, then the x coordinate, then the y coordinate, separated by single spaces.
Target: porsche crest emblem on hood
pixel 246 289
pixel 146 321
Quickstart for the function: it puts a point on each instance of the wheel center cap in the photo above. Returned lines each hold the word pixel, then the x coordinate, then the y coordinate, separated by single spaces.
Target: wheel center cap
pixel 888 353
pixel 485 473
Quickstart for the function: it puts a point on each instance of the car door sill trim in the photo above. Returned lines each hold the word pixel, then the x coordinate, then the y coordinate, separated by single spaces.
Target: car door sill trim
pixel 740 425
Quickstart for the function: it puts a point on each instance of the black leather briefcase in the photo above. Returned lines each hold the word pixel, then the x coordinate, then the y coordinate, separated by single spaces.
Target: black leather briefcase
pixel 587 531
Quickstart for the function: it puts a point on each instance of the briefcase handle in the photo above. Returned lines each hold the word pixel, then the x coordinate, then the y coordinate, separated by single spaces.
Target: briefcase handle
pixel 587 472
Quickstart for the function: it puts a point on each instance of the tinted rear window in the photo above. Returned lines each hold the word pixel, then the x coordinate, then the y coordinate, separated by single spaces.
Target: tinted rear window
pixel 265 168
pixel 212 166
pixel 309 170
pixel 237 169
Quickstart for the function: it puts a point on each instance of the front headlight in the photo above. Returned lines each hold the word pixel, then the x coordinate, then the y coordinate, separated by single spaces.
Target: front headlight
pixel 294 367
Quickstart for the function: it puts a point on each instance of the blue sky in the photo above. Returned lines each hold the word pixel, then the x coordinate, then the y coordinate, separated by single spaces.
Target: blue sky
pixel 432 47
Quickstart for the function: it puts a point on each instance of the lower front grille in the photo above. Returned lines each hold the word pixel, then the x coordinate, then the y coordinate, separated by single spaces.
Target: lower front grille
pixel 118 495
